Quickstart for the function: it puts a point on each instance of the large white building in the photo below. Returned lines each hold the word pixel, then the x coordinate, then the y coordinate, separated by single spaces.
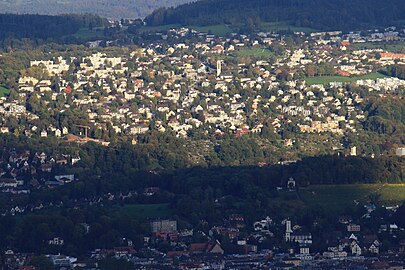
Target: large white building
pixel 165 226
pixel 400 151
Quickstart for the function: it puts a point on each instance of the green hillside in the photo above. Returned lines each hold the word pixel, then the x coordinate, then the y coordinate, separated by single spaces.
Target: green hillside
pixel 306 14
pixel 339 197
pixel 45 26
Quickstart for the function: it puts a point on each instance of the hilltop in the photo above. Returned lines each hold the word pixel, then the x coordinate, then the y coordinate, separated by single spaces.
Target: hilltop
pixel 318 14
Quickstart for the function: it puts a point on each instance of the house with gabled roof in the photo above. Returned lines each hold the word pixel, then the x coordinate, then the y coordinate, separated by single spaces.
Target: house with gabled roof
pixel 208 247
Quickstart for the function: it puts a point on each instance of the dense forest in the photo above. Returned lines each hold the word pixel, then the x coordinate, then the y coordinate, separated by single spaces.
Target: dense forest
pixel 116 9
pixel 396 71
pixel 45 27
pixel 318 14
pixel 387 116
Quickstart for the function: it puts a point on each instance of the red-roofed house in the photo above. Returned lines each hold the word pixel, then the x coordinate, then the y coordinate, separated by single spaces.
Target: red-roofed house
pixel 209 247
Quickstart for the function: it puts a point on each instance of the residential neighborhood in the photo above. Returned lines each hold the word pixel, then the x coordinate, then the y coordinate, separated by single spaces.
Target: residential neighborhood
pixel 238 245
pixel 206 86
pixel 294 95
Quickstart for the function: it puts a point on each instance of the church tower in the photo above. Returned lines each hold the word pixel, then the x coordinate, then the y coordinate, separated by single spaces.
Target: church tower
pixel 288 231
pixel 219 68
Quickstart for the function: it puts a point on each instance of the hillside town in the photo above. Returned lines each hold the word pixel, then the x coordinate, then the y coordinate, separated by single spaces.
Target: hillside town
pixel 202 135
pixel 209 85
pixel 198 85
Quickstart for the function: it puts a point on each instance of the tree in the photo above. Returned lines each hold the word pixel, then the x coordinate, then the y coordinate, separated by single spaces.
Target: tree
pixel 33 104
pixel 310 70
pixel 374 198
pixel 113 264
pixel 42 263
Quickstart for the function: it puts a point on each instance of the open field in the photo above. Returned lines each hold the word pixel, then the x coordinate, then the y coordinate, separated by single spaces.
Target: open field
pixel 284 26
pixel 328 79
pixel 145 210
pixel 219 29
pixel 158 28
pixel 255 52
pixel 339 197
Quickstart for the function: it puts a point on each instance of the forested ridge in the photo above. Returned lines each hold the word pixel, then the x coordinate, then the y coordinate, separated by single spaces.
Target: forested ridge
pixel 116 9
pixel 45 26
pixel 319 14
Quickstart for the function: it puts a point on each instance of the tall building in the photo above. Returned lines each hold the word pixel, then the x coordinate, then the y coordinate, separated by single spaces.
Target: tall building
pixel 400 151
pixel 353 151
pixel 288 230
pixel 219 68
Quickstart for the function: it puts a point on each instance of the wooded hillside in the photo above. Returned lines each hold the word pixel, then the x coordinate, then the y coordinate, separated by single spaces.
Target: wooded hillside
pixel 319 14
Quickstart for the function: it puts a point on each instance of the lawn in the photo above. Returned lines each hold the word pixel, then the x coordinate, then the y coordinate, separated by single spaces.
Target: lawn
pixel 145 211
pixel 328 79
pixel 339 197
pixel 262 53
pixel 4 91
pixel 393 193
pixel 284 26
pixel 219 30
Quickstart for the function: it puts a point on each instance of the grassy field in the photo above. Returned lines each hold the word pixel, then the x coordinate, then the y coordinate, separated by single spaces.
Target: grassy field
pixel 4 91
pixel 262 53
pixel 159 28
pixel 144 211
pixel 284 26
pixel 219 29
pixel 328 79
pixel 395 46
pixel 339 197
